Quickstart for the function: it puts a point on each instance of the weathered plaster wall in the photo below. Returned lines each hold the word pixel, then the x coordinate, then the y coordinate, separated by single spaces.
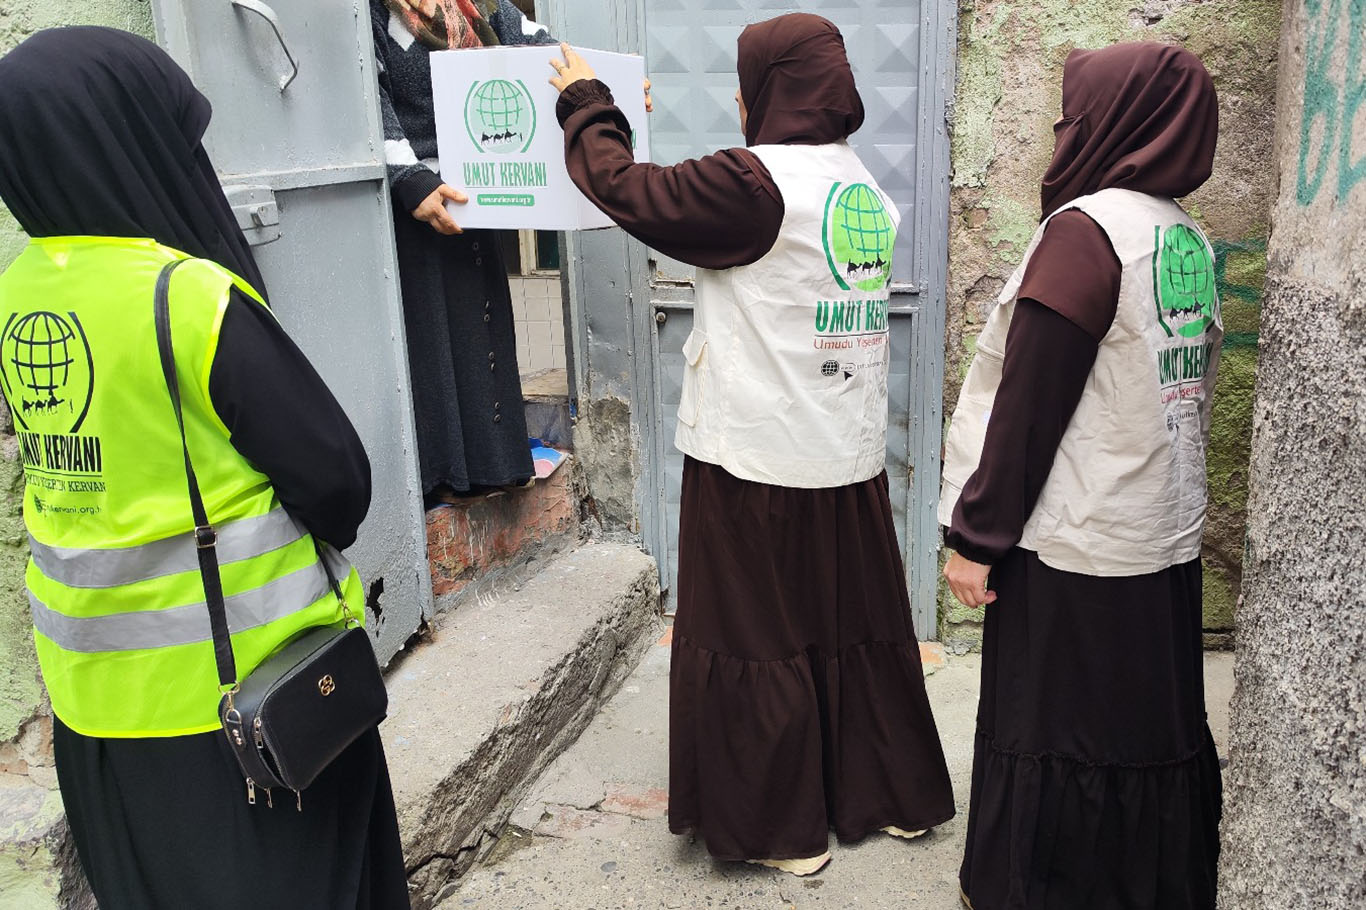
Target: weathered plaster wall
pixel 37 865
pixel 1009 92
pixel 1295 805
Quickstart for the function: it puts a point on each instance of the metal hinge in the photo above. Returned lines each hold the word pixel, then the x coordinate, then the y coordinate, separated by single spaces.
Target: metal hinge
pixel 256 211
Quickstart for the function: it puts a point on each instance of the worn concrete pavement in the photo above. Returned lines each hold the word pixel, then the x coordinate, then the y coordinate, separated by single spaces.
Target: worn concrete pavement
pixel 592 835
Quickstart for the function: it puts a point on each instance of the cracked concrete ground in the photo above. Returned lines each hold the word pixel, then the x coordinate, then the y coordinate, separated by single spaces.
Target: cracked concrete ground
pixel 592 836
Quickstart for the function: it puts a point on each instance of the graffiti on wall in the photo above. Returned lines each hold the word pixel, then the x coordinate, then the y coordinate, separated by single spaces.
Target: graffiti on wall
pixel 1334 98
pixel 1240 285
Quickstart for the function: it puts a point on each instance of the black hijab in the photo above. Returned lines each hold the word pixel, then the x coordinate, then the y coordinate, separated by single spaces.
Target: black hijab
pixel 796 82
pixel 100 135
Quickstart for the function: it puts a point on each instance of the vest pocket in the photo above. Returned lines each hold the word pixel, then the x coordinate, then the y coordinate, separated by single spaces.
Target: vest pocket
pixel 691 398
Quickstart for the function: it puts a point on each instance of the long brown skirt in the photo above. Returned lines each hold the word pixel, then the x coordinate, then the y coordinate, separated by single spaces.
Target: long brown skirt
pixel 797 700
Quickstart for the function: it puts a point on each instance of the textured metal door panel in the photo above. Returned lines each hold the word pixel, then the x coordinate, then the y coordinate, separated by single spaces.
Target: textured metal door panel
pixel 314 150
pixel 691 55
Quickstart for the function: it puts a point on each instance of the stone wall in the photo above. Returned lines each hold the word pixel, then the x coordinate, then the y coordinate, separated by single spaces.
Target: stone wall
pixel 1295 817
pixel 1009 92
pixel 37 865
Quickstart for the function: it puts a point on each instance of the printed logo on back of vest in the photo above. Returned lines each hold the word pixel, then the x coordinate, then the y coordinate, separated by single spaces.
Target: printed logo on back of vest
pixel 47 372
pixel 858 237
pixel 1183 282
pixel 500 116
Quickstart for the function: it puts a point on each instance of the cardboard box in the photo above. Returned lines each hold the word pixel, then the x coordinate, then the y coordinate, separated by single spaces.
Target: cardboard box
pixel 501 143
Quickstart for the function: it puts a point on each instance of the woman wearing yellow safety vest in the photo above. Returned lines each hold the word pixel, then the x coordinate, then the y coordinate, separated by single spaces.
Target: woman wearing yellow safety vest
pixel 101 164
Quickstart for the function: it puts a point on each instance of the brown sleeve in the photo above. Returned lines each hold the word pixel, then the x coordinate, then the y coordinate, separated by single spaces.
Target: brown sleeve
pixel 1048 360
pixel 1075 273
pixel 716 212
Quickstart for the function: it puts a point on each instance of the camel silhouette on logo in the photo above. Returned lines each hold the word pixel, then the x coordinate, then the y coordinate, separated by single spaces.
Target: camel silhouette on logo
pixel 500 138
pixel 42 407
pixel 866 271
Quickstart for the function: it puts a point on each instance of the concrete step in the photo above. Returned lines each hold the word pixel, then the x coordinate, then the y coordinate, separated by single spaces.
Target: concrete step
pixel 502 687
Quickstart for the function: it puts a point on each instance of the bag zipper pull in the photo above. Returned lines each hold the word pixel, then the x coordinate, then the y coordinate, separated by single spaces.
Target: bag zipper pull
pixel 299 800
pixel 270 802
pixel 251 791
pixel 257 734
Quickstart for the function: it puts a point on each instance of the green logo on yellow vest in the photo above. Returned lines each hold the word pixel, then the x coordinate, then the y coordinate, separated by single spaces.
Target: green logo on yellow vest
pixel 47 371
pixel 1183 282
pixel 500 116
pixel 858 237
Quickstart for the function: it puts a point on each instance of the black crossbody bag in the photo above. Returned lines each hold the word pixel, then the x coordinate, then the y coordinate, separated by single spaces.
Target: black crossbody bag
pixel 300 709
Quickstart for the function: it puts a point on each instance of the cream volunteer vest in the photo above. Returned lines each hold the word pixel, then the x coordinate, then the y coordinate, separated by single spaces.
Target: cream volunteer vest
pixel 786 368
pixel 1126 495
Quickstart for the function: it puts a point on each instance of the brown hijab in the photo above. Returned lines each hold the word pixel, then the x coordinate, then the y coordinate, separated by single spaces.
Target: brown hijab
pixel 796 82
pixel 1139 116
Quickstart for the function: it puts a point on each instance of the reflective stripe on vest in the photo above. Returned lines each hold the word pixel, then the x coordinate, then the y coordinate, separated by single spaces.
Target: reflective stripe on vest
pixel 179 625
pixel 243 539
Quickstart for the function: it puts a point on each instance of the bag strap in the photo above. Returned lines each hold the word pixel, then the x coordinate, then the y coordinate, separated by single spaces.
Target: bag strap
pixel 205 537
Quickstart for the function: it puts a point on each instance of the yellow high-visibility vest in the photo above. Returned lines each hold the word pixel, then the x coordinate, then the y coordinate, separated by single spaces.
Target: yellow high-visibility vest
pixel 120 623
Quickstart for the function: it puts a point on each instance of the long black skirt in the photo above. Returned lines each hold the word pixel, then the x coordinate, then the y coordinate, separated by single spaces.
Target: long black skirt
pixel 462 357
pixel 797 699
pixel 164 824
pixel 1095 781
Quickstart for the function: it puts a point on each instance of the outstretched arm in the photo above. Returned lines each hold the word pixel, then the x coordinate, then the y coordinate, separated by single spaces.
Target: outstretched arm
pixel 716 212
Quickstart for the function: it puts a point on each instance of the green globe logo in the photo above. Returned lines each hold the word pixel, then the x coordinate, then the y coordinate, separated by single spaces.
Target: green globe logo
pixel 46 368
pixel 500 116
pixel 859 238
pixel 1184 275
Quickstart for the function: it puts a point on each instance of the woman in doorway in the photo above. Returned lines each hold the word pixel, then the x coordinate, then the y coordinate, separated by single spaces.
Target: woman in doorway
pixel 101 164
pixel 457 306
pixel 797 701
pixel 1078 447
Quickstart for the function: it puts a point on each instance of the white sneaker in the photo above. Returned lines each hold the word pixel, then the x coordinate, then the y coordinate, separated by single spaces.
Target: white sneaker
pixel 902 832
pixel 798 867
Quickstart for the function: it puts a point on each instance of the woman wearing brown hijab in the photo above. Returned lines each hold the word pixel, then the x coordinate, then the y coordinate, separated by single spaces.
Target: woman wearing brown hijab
pixel 1074 478
pixel 797 702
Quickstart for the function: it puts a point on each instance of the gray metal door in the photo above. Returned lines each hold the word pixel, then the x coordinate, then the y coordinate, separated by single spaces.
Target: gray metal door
pixel 900 51
pixel 297 140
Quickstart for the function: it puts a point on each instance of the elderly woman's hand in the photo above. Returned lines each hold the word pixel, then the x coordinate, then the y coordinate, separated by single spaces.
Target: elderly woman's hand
pixel 432 210
pixel 968 581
